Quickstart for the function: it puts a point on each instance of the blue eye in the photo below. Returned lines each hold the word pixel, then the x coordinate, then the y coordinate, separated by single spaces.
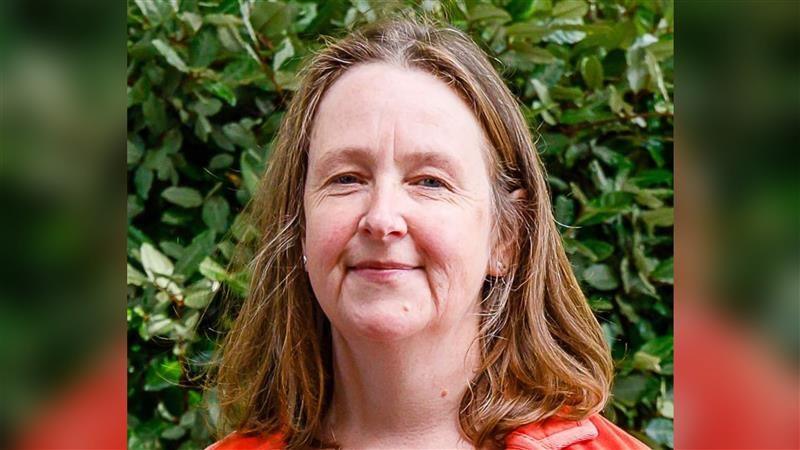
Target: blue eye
pixel 430 182
pixel 345 179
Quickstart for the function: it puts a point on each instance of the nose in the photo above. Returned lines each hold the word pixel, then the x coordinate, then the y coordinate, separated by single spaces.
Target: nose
pixel 383 219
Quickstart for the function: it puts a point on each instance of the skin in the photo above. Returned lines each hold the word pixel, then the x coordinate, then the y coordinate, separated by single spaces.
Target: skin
pixel 397 173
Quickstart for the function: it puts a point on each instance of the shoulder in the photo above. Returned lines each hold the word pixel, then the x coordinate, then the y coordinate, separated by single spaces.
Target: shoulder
pixel 235 441
pixel 593 433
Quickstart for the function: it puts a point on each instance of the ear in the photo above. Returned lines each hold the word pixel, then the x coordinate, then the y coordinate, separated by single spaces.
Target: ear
pixel 500 260
pixel 303 252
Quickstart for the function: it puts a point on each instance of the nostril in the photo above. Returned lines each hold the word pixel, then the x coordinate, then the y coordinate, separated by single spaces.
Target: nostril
pixel 382 226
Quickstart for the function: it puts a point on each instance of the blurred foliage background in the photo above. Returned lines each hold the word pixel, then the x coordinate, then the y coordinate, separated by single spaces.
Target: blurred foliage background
pixel 207 85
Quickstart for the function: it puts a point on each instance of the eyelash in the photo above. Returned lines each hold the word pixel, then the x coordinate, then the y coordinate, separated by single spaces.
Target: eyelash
pixel 440 183
pixel 338 180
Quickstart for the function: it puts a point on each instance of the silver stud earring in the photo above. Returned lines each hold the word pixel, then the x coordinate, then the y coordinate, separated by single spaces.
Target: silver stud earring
pixel 305 260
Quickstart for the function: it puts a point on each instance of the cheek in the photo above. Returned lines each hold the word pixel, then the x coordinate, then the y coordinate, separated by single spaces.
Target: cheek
pixel 456 241
pixel 329 229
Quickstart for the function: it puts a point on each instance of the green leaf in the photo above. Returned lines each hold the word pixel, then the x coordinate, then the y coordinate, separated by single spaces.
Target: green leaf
pixel 542 92
pixel 134 206
pixel 173 433
pixel 251 170
pixel 183 196
pixel 601 182
pixel 202 128
pixel 172 249
pixel 606 207
pixel 573 153
pixel 570 9
pixel 588 114
pixel 134 277
pixel 271 18
pixel 200 294
pixel 600 304
pixel 213 270
pixel 239 135
pixel 527 30
pixel 533 54
pixel 661 430
pixel 662 347
pixel 154 262
pixel 202 246
pixel 646 362
pixel 155 12
pixel 308 12
pixel 138 93
pixel 162 374
pixel 173 139
pixel 143 179
pixel 203 49
pixel 220 161
pixel 485 11
pixel 135 153
pixel 653 177
pixel 656 74
pixel 238 282
pixel 638 72
pixel 617 103
pixel 285 52
pixel 564 210
pixel 665 403
pixel 612 158
pixel 592 72
pixel 155 114
pixel 215 213
pixel 224 20
pixel 600 250
pixel 601 277
pixel 663 272
pixel 566 93
pixel 197 299
pixel 222 91
pixel 629 389
pixel 206 106
pixel 170 54
pixel 635 281
pixel 193 20
pixel 662 49
pixel 662 217
pixel 159 270
pixel 242 229
pixel 521 9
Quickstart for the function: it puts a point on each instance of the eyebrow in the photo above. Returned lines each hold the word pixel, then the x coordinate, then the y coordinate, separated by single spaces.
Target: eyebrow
pixel 434 159
pixel 343 155
pixel 413 159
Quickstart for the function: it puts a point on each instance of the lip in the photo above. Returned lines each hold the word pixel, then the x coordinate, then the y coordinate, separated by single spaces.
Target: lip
pixel 382 271
pixel 382 265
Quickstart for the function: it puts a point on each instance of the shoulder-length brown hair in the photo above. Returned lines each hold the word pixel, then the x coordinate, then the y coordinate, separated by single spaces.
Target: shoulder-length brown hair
pixel 542 349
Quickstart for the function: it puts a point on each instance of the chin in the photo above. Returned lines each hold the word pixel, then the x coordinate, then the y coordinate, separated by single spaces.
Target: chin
pixel 385 321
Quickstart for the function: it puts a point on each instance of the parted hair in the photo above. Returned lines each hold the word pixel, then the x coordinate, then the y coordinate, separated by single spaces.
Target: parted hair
pixel 542 350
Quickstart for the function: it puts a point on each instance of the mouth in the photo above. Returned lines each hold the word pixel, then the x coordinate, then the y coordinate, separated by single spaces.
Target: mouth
pixel 382 265
pixel 381 271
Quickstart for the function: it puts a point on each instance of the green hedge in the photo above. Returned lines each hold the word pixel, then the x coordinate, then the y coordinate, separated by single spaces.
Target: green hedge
pixel 208 82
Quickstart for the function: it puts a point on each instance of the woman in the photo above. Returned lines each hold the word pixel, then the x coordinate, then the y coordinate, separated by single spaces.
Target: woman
pixel 411 290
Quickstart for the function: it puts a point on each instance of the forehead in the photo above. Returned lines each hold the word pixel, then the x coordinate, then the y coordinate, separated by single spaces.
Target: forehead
pixel 383 106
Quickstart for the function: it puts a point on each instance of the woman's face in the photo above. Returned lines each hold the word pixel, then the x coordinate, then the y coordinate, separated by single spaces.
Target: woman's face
pixel 397 205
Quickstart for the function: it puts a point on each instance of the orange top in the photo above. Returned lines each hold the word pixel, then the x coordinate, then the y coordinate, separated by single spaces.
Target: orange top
pixel 594 433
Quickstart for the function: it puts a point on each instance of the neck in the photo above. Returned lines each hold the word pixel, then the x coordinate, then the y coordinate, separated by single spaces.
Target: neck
pixel 402 393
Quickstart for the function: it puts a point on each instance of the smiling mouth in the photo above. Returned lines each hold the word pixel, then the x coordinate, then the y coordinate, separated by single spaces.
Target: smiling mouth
pixel 382 274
